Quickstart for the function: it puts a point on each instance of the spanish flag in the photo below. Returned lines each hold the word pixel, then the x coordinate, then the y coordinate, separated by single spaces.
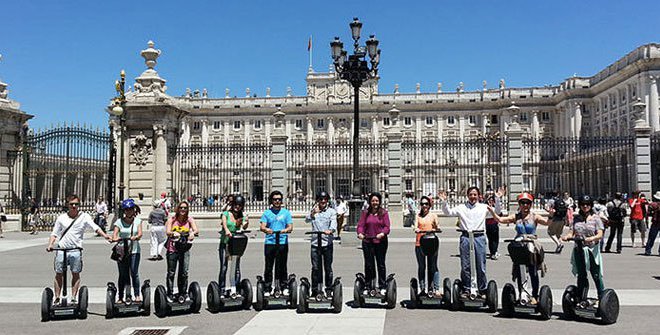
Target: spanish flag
pixel 309 44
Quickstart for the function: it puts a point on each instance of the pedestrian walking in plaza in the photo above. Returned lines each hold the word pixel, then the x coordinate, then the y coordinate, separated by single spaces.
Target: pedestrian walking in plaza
pixel 637 204
pixel 587 225
pixel 276 221
pixel 373 228
pixel 181 230
pixel 410 210
pixel 34 219
pixel 472 217
pixel 68 232
pixel 127 233
pixel 526 222
pixel 232 220
pixel 494 201
pixel 427 266
pixel 101 213
pixel 323 219
pixel 157 219
pixel 616 212
pixel 600 207
pixel 342 212
pixel 3 219
pixel 654 213
pixel 558 211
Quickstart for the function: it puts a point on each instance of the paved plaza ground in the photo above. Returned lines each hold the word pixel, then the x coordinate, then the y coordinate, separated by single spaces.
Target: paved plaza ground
pixel 27 268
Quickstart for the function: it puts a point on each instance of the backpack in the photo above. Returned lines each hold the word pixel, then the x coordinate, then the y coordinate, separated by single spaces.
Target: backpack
pixel 561 209
pixel 616 213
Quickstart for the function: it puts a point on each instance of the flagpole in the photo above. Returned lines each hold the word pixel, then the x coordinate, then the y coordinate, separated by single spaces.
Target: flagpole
pixel 311 50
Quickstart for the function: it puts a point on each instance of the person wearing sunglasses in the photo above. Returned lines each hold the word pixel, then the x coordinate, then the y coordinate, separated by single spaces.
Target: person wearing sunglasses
pixel 181 230
pixel 68 231
pixel 233 220
pixel 526 222
pixel 276 219
pixel 127 232
pixel 427 264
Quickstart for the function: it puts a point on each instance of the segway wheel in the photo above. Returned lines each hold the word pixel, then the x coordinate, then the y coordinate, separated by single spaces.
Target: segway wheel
pixel 337 298
pixel 46 303
pixel 247 293
pixel 456 303
pixel 83 299
pixel 293 293
pixel 508 299
pixel 446 292
pixel 412 304
pixel 160 302
pixel 608 308
pixel 146 299
pixel 259 305
pixel 357 293
pixel 196 296
pixel 545 302
pixel 568 302
pixel 109 304
pixel 213 300
pixel 304 294
pixel 391 294
pixel 491 296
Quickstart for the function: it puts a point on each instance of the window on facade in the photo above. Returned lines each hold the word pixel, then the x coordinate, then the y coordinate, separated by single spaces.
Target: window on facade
pixel 216 125
pixel 633 91
pixel 257 124
pixel 196 125
pixel 472 119
pixel 523 117
pixel 364 123
pixel 342 120
pixel 407 120
pixel 236 187
pixel 386 121
pixel 237 124
pixel 299 124
pixel 409 185
pixel 451 120
pixel 545 116
pixel 320 123
pixel 429 120
pixel 493 119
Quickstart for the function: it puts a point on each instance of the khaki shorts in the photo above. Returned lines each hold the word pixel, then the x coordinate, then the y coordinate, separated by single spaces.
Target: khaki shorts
pixel 556 227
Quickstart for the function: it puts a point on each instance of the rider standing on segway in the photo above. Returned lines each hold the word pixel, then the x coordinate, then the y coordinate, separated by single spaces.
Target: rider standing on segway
pixel 526 222
pixel 276 219
pixel 128 232
pixel 373 228
pixel 180 230
pixel 425 222
pixel 69 228
pixel 472 216
pixel 323 218
pixel 232 220
pixel 587 225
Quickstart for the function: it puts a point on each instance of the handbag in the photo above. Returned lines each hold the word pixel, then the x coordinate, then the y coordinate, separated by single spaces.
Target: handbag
pixel 3 218
pixel 119 249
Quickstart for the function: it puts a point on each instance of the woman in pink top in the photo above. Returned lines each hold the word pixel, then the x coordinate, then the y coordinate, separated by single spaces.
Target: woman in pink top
pixel 180 230
pixel 427 221
pixel 373 228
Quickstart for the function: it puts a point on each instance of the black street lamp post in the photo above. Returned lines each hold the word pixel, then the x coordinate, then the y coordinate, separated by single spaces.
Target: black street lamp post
pixel 119 110
pixel 355 69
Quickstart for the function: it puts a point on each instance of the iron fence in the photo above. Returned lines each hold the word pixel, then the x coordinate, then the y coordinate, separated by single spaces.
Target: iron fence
pixel 453 165
pixel 207 175
pixel 312 168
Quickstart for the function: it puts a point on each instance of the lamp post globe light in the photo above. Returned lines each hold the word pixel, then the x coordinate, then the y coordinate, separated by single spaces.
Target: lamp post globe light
pixel 356 70
pixel 118 109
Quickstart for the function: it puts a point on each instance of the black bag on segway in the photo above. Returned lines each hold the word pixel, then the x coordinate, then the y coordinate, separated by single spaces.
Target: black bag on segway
pixel 429 244
pixel 520 253
pixel 236 245
pixel 182 245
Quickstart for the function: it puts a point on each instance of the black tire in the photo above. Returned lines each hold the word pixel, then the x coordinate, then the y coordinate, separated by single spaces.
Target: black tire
pixel 293 293
pixel 508 300
pixel 545 302
pixel 46 304
pixel 391 294
pixel 568 300
pixel 608 307
pixel 160 302
pixel 196 296
pixel 304 294
pixel 146 300
pixel 213 300
pixel 412 304
pixel 446 292
pixel 83 300
pixel 247 293
pixel 491 296
pixel 109 304
pixel 456 303
pixel 357 294
pixel 337 298
pixel 259 304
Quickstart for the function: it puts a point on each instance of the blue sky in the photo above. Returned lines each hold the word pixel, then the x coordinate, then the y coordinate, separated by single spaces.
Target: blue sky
pixel 61 57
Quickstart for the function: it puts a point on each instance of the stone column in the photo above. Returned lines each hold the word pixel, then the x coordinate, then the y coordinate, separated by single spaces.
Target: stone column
pixel 278 139
pixel 331 130
pixel 418 128
pixel 643 176
pixel 247 125
pixel 536 129
pixel 160 160
pixel 441 126
pixel 515 163
pixel 577 115
pixel 225 126
pixel 484 123
pixel 310 131
pixel 654 113
pixel 267 131
pixel 394 168
pixel 374 129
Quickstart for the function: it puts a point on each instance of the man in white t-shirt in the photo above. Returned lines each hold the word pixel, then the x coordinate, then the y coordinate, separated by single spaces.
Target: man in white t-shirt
pixel 71 238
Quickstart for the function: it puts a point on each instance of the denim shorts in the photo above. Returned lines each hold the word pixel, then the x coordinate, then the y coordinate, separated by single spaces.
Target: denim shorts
pixel 73 259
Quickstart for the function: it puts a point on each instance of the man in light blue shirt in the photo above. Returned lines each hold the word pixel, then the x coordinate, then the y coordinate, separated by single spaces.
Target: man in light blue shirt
pixel 276 219
pixel 323 219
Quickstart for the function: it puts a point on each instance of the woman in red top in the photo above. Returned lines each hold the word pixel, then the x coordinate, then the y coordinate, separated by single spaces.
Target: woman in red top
pixel 373 228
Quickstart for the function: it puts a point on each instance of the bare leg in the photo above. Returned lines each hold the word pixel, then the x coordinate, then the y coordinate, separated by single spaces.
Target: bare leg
pixel 75 284
pixel 58 285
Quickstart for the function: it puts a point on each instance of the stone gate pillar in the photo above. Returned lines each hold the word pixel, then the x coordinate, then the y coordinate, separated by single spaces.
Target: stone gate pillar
pixel 642 131
pixel 394 169
pixel 515 162
pixel 278 139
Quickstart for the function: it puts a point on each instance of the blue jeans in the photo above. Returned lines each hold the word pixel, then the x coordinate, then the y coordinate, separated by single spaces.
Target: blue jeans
pixel 128 274
pixel 480 254
pixel 653 233
pixel 224 262
pixel 183 261
pixel 427 266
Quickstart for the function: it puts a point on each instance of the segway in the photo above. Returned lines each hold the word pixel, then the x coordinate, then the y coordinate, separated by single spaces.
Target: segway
pixel 179 303
pixel 322 300
pixel 235 297
pixel 521 303
pixel 128 307
pixel 577 304
pixel 420 296
pixel 277 298
pixel 64 309
pixel 363 297
pixel 474 299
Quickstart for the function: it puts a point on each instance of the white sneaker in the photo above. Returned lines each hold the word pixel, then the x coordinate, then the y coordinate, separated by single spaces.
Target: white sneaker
pixel 496 256
pixel 285 291
pixel 383 291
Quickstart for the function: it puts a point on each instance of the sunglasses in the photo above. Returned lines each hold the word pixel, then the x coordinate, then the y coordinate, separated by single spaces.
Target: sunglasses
pixel 525 203
pixel 184 208
pixel 74 204
pixel 424 203
pixel 277 199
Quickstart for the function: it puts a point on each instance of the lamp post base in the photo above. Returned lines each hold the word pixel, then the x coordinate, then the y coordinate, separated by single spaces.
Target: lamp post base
pixel 349 235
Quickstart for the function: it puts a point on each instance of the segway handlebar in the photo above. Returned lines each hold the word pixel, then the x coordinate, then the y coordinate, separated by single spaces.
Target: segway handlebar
pixel 314 233
pixel 429 231
pixel 467 231
pixel 576 239
pixel 526 240
pixel 67 249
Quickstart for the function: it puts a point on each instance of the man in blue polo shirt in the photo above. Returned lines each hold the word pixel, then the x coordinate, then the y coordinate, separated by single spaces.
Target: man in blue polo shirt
pixel 275 219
